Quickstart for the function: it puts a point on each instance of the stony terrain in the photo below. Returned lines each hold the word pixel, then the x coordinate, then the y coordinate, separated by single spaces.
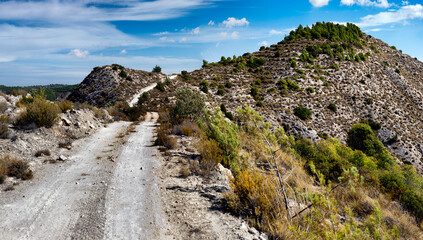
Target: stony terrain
pixel 386 88
pixel 25 143
pixel 112 83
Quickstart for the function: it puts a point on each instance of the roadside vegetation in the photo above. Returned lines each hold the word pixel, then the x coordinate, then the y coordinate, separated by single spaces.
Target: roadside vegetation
pixel 293 188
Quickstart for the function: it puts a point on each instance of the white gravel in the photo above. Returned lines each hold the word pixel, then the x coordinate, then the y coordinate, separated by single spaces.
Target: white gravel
pixel 99 193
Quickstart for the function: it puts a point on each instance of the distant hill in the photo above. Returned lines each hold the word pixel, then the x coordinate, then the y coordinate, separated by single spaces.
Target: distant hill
pixel 112 83
pixel 53 91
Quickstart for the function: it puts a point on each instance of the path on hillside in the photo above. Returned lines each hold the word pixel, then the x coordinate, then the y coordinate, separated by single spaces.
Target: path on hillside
pixel 106 190
pixel 135 98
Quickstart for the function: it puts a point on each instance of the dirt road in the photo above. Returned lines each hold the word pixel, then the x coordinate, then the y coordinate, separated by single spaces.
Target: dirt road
pixel 107 189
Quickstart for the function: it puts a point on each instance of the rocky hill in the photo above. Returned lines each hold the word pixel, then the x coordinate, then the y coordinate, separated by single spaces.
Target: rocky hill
pixel 341 82
pixel 112 83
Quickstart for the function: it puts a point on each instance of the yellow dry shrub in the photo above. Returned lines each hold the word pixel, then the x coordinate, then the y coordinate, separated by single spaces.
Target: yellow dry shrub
pixel 65 105
pixel 258 196
pixel 211 154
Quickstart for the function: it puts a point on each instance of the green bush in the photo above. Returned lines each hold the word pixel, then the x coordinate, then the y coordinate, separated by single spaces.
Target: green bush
pixel 255 92
pixel 204 86
pixel 143 98
pixel 189 105
pixel 310 90
pixel 228 84
pixel 157 69
pixel 362 137
pixel 334 66
pixel 160 86
pixel 302 112
pixel 288 84
pixel 123 74
pixel 41 112
pixel 332 107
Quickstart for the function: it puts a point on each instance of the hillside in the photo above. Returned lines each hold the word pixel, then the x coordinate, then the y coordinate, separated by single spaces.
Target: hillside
pixel 109 84
pixel 342 83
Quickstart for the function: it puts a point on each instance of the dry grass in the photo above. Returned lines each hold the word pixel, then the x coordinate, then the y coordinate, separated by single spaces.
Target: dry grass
pixel 14 167
pixel 65 105
pixel 186 128
pixel 184 171
pixel 66 145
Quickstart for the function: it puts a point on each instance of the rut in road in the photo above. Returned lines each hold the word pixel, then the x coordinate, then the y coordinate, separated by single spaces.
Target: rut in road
pixel 99 193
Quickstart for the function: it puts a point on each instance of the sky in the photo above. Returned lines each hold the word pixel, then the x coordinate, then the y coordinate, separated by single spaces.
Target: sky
pixel 61 41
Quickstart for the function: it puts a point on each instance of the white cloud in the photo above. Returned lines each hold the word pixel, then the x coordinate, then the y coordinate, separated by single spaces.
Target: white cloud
pixel 235 35
pixel 405 2
pixel 319 3
pixel 89 10
pixel 401 15
pixel 23 42
pixel 183 40
pixel 275 32
pixel 196 31
pixel 233 22
pixel 211 23
pixel 78 53
pixel 264 43
pixel 166 39
pixel 123 51
pixel 161 33
pixel 367 3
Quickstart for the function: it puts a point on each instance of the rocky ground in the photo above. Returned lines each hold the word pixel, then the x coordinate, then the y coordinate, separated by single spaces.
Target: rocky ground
pixel 56 141
pixel 193 203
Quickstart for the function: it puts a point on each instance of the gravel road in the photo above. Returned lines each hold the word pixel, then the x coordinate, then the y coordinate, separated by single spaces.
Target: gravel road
pixel 107 189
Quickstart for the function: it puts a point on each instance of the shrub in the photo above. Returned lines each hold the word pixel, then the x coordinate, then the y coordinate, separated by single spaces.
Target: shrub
pixel 228 84
pixel 369 101
pixel 302 112
pixel 123 74
pixel 278 54
pixel 204 86
pixel 310 90
pixel 160 87
pixel 332 107
pixel 4 131
pixel 65 105
pixel 187 128
pixel 255 92
pixel 189 105
pixel 143 98
pixel 362 137
pixel 41 112
pixel 157 69
pixel 334 66
pixel 163 139
pixel 211 154
pixel 185 75
pixel 14 167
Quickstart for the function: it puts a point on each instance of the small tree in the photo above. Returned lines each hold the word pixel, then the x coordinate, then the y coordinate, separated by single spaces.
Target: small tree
pixel 189 105
pixel 157 69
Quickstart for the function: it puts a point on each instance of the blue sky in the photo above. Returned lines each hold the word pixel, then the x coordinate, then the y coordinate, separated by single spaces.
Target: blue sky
pixel 60 41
